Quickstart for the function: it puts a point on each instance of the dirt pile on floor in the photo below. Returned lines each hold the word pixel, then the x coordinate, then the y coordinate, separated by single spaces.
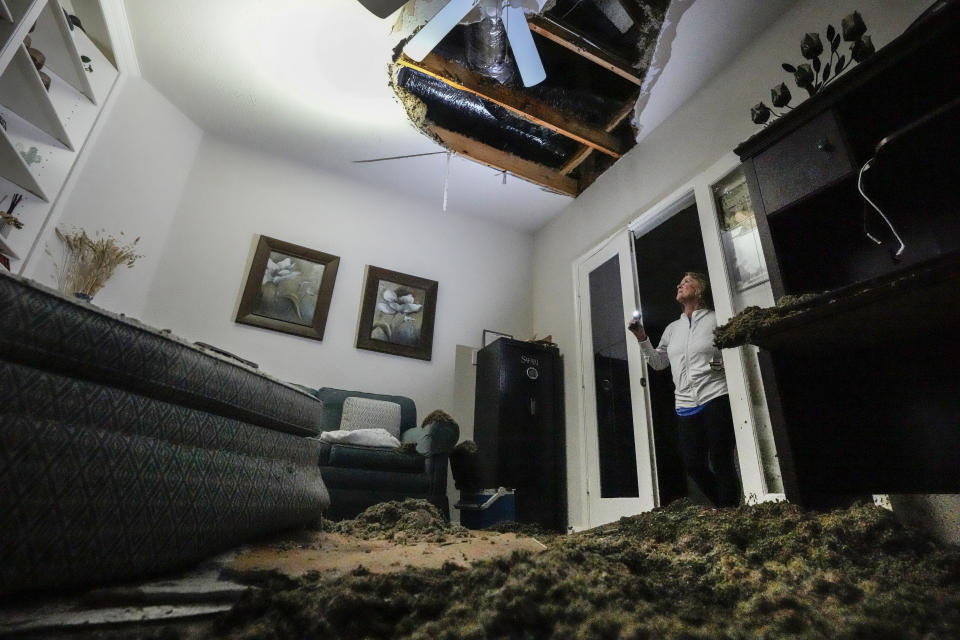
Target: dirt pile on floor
pixel 404 522
pixel 684 571
pixel 742 327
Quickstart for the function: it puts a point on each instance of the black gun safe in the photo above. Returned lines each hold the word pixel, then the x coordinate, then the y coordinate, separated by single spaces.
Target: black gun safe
pixel 519 428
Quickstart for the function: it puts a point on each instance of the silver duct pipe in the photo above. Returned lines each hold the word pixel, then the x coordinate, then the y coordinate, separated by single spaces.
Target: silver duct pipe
pixel 486 47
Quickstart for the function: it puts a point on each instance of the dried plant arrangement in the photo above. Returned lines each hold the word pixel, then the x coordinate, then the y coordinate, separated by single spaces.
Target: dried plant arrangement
pixel 7 217
pixel 88 262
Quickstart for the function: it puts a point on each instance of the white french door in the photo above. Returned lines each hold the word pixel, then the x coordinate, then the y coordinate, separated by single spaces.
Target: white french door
pixel 620 469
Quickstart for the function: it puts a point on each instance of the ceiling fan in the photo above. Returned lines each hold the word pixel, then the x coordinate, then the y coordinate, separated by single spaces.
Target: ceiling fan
pixel 382 8
pixel 510 12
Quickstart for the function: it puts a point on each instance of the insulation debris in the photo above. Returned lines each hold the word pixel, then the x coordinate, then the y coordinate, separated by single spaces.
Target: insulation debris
pixel 742 328
pixel 767 571
pixel 404 522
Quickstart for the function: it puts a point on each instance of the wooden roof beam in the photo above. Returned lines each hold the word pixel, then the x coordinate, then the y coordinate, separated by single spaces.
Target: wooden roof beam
pixel 503 161
pixel 574 161
pixel 535 111
pixel 578 42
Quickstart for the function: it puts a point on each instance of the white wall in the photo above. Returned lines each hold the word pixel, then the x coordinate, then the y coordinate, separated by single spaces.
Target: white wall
pixel 712 123
pixel 129 179
pixel 235 193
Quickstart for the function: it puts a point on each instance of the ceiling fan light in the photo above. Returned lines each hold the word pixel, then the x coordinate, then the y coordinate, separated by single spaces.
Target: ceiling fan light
pixel 491 9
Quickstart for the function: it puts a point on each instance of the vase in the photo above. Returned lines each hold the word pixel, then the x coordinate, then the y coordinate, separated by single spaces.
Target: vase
pixel 86 297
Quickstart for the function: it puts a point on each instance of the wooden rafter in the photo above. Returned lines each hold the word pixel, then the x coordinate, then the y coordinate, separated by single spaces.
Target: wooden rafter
pixel 535 111
pixel 576 41
pixel 536 173
pixel 574 161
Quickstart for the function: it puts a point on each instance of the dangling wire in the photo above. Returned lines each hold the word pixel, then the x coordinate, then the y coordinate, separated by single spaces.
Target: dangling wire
pixel 903 246
pixel 446 182
pixel 409 155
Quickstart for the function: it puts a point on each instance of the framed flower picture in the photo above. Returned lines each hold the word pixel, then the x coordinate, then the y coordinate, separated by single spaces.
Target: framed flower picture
pixel 396 314
pixel 288 288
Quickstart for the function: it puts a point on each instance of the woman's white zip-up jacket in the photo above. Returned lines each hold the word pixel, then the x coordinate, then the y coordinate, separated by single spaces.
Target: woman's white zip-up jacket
pixel 687 348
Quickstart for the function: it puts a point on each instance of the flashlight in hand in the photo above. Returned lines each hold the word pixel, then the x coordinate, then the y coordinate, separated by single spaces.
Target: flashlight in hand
pixel 635 322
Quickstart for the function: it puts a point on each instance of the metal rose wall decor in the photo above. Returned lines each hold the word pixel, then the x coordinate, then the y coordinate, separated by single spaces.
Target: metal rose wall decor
pixel 814 75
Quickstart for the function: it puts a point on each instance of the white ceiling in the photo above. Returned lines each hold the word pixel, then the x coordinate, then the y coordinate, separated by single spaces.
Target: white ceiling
pixel 308 79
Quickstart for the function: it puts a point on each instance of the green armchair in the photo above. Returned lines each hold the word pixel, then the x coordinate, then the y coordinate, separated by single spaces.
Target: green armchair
pixel 359 476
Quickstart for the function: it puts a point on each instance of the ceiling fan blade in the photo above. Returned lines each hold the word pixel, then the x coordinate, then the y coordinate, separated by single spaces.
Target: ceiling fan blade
pixel 523 47
pixel 382 8
pixel 440 25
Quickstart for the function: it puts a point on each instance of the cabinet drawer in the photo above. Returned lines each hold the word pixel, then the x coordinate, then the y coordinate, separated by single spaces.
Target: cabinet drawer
pixel 811 157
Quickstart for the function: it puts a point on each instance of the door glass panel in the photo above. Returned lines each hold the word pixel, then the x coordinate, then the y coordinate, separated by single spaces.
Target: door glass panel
pixel 741 239
pixel 615 442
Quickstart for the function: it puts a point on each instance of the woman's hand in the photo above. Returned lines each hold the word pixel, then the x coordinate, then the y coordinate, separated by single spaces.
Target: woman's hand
pixel 637 329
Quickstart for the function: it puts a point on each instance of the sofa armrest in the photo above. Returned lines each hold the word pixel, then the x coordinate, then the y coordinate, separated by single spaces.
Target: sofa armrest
pixel 435 467
pixel 437 436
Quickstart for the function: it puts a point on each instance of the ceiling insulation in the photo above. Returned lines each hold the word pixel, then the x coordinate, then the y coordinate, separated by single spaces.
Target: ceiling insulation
pixel 561 133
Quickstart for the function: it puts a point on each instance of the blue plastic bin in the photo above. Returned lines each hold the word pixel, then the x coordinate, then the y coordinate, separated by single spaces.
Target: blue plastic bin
pixel 486 508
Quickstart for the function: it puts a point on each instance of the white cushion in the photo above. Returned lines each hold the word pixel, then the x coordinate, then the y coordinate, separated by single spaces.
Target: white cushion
pixel 366 413
pixel 361 437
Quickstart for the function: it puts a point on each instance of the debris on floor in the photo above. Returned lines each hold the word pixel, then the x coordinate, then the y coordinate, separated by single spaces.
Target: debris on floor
pixel 386 537
pixel 404 522
pixel 770 570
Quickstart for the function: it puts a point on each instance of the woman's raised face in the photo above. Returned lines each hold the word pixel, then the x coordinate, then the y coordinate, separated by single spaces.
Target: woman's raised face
pixel 688 290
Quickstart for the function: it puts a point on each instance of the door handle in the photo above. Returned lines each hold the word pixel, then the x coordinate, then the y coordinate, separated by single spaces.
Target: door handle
pixel 643 382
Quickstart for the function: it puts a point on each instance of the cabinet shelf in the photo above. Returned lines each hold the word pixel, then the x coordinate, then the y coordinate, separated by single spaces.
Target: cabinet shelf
pixel 45 128
pixel 24 14
pixel 19 9
pixel 54 37
pixel 23 93
pixel 892 308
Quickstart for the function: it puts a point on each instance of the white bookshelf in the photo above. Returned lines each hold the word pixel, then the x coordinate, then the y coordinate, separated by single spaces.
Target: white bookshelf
pixel 46 129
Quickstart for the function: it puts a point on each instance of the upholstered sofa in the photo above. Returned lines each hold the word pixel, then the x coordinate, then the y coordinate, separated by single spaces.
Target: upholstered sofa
pixel 125 451
pixel 359 476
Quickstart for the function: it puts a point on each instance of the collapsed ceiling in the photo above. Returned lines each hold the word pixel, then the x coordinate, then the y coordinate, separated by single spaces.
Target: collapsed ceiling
pixel 561 133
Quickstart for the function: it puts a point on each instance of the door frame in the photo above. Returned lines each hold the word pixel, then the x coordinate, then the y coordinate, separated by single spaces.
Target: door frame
pixel 600 510
pixel 748 449
pixel 749 454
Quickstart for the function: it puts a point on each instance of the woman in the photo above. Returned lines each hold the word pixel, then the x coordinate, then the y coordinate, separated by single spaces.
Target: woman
pixel 705 426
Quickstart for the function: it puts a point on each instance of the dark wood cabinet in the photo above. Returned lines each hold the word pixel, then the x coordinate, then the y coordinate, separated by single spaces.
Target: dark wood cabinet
pixel 806 160
pixel 862 386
